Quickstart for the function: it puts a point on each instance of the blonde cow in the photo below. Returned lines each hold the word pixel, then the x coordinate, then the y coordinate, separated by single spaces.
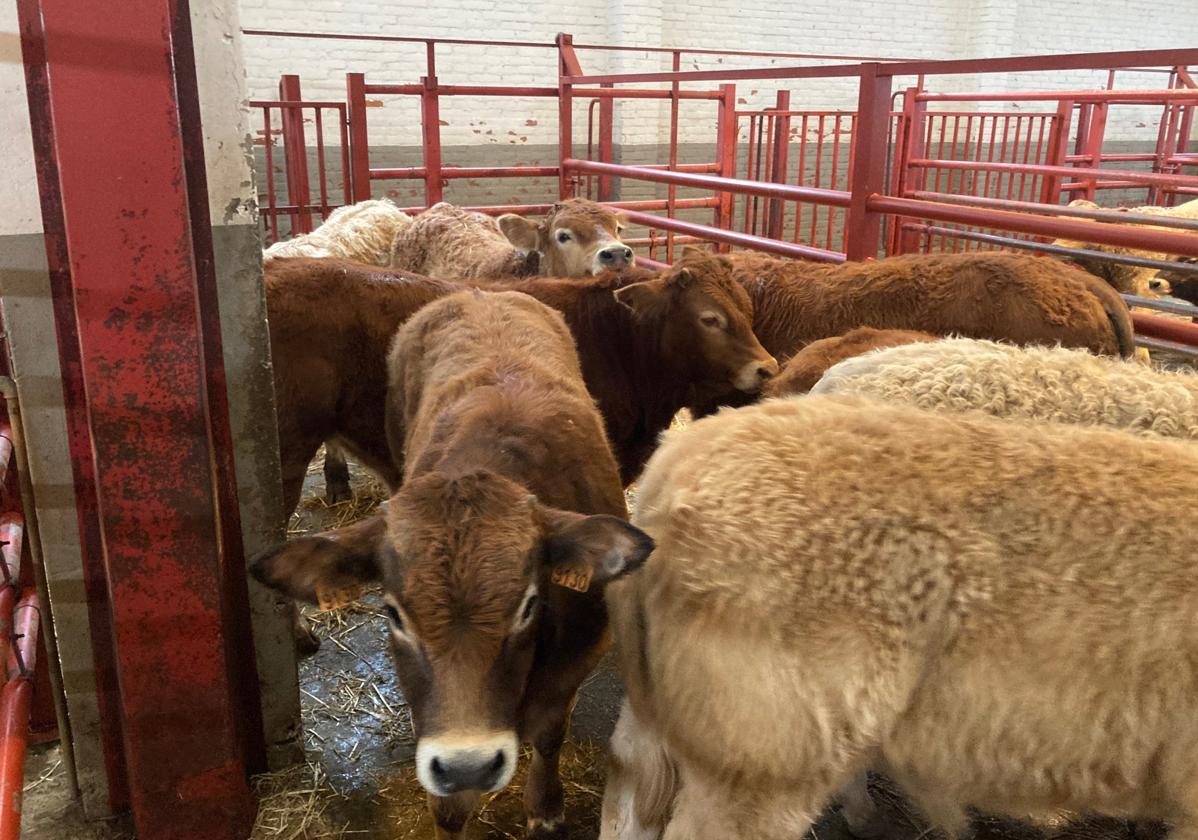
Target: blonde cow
pixel 956 600
pixel 1130 279
pixel 576 238
pixel 362 232
pixel 1053 384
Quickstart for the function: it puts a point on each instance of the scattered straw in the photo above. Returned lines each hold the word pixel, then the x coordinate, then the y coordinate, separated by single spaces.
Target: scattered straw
pixel 292 805
pixel 47 774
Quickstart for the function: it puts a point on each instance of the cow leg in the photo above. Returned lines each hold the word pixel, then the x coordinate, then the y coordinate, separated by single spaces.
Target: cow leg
pixel 336 475
pixel 640 782
pixel 544 800
pixel 450 814
pixel 858 808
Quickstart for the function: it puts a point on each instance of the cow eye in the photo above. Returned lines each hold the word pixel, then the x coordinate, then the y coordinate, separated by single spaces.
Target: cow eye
pixel 619 229
pixel 529 606
pixel 394 617
pixel 563 236
pixel 710 321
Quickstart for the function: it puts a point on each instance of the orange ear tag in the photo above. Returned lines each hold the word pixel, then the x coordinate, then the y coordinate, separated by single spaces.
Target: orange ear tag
pixel 576 576
pixel 331 597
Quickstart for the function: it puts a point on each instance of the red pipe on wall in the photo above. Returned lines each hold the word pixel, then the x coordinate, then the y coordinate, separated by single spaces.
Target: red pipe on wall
pixel 15 700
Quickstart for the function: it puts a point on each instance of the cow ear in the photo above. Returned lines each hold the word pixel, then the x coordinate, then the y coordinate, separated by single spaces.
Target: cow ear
pixel 521 232
pixel 693 252
pixel 644 297
pixel 585 551
pixel 315 569
pixel 684 278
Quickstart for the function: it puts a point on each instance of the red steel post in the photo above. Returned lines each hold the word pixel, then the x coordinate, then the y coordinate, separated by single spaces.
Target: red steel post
pixel 1058 149
pixel 672 190
pixel 869 162
pixel 567 65
pixel 134 287
pixel 607 114
pixel 726 140
pixel 779 165
pixel 15 705
pixel 359 148
pixel 295 150
pixel 430 124
pixel 1093 150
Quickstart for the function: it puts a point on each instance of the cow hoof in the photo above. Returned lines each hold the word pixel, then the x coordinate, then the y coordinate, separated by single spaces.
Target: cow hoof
pixel 337 493
pixel 546 829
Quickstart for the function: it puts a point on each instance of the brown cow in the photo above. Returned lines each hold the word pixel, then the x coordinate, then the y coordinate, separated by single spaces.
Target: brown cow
pixel 801 373
pixel 576 238
pixel 644 350
pixel 1012 297
pixel 495 552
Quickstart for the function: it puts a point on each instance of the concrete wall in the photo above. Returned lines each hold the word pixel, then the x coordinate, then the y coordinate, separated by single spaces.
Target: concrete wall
pixel 26 303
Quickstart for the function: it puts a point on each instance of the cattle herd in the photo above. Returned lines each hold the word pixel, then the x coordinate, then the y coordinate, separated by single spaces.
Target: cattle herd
pixel 949 542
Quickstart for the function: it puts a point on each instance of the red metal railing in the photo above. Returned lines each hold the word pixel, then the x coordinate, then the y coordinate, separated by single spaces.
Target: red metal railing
pixel 292 133
pixel 828 180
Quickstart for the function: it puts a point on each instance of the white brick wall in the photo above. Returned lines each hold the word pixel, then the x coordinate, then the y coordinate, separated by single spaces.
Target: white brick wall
pixel 919 28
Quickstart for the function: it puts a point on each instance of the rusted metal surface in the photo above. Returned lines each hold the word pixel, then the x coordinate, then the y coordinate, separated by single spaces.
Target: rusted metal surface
pixel 142 308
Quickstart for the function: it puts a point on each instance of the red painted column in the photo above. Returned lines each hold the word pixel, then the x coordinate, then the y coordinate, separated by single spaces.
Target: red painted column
pixel 121 174
pixel 869 162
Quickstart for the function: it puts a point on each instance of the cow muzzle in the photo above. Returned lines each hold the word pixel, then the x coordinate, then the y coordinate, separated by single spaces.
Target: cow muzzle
pixel 452 763
pixel 753 375
pixel 613 257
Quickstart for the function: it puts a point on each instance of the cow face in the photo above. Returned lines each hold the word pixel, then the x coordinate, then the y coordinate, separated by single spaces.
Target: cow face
pixel 475 575
pixel 1180 283
pixel 578 238
pixel 708 322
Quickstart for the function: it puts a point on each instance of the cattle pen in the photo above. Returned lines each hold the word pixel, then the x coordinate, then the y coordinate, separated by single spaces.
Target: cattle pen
pixel 945 171
pixel 140 465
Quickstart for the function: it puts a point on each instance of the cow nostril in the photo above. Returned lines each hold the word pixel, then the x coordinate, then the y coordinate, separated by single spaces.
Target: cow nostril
pixel 438 770
pixel 764 372
pixel 496 765
pixel 628 253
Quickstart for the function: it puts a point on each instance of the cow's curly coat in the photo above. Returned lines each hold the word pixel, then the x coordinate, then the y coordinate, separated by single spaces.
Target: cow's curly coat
pixel 361 232
pixel 955 599
pixel 1041 383
pixel 449 242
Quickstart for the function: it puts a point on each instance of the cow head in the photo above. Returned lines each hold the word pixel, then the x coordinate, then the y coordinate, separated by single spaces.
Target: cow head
pixel 1180 283
pixel 1126 279
pixel 707 322
pixel 474 574
pixel 578 238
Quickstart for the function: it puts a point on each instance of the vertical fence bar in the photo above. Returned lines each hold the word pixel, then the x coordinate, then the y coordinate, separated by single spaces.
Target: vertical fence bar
pixel 271 200
pixel 567 65
pixel 1094 140
pixel 347 178
pixel 727 135
pixel 869 169
pixel 672 189
pixel 1058 148
pixel 430 125
pixel 359 150
pixel 607 119
pixel 295 154
pixel 780 165
pixel 321 168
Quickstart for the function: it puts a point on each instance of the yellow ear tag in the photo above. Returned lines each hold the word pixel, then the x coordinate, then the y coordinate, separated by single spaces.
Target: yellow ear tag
pixel 332 597
pixel 576 576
